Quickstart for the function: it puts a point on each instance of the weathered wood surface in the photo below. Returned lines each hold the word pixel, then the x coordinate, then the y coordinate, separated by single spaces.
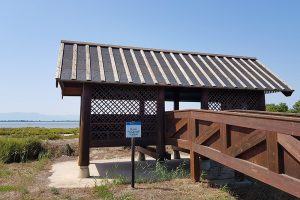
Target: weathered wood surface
pixel 265 146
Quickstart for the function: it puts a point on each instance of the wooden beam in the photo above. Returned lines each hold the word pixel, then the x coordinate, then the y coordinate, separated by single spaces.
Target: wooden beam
pixel 242 74
pixel 194 156
pixel 291 144
pixel 160 68
pixel 74 62
pixel 113 64
pixel 192 70
pixel 179 125
pixel 137 66
pixel 149 67
pixel 88 63
pixel 148 151
pixel 246 143
pixel 202 71
pixel 160 147
pixel 184 144
pixel 224 137
pixel 283 182
pixel 84 134
pixel 207 134
pixel 212 71
pixel 221 71
pixel 101 66
pixel 59 61
pixel 170 68
pixel 272 152
pixel 128 75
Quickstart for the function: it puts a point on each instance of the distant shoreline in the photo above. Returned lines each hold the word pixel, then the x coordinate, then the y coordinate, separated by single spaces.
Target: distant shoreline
pixel 38 121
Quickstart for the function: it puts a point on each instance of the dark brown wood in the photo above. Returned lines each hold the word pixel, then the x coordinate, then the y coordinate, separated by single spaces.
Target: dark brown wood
pixel 246 143
pixel 272 150
pixel 194 156
pixel 160 146
pixel 204 100
pixel 84 135
pixel 291 144
pixel 282 182
pixel 150 151
pixel 209 133
pixel 224 137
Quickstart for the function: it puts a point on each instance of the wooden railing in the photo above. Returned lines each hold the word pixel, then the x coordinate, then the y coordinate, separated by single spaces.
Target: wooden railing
pixel 262 145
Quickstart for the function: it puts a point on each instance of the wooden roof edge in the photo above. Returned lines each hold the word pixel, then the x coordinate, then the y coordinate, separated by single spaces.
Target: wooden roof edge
pixel 158 50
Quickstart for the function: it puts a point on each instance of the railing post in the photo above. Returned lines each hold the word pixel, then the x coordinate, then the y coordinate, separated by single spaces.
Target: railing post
pixel 224 137
pixel 272 151
pixel 194 157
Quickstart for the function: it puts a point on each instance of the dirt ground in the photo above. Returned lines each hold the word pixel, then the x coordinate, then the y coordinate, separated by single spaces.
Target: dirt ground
pixel 30 181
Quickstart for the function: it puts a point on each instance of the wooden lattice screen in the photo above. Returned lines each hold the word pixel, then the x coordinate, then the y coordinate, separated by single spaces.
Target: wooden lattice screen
pixel 235 99
pixel 112 106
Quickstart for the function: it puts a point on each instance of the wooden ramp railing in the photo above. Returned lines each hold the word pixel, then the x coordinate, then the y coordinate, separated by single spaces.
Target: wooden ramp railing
pixel 263 145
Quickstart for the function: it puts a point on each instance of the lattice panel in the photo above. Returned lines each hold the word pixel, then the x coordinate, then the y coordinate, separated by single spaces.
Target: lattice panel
pixel 112 106
pixel 233 99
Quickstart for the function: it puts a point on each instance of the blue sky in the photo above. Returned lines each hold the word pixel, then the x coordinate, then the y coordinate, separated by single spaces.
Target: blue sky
pixel 31 31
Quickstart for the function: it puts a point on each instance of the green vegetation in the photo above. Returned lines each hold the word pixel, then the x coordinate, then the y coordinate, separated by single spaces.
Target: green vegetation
pixel 19 149
pixel 4 172
pixel 282 107
pixel 39 133
pixel 8 188
pixel 103 192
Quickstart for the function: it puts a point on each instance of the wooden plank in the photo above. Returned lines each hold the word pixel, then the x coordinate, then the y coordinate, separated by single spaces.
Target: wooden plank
pixel 250 74
pixel 170 68
pixel 113 64
pixel 291 144
pixel 153 49
pixel 101 66
pixel 221 71
pixel 88 62
pixel 224 137
pixel 272 151
pixel 212 71
pixel 246 143
pixel 273 73
pixel 245 77
pixel 231 72
pixel 287 126
pixel 59 61
pixel 128 75
pixel 175 148
pixel 149 67
pixel 202 71
pixel 148 151
pixel 184 144
pixel 179 125
pixel 160 147
pixel 160 68
pixel 192 70
pixel 84 134
pixel 74 62
pixel 194 156
pixel 283 182
pixel 137 66
pixel 207 134
pixel 258 74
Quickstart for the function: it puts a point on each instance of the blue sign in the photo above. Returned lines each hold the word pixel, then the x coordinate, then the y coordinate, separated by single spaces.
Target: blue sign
pixel 133 129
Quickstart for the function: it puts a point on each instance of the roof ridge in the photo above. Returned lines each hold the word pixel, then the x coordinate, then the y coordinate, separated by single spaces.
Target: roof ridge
pixel 154 49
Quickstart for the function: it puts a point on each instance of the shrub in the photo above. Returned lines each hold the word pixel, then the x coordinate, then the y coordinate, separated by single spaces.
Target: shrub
pixel 19 149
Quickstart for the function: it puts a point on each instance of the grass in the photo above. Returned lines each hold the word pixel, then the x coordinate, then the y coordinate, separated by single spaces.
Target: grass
pixel 39 133
pixel 19 149
pixel 8 188
pixel 4 172
pixel 103 192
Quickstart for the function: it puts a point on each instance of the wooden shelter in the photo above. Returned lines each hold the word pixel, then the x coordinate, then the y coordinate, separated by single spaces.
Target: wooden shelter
pixel 118 84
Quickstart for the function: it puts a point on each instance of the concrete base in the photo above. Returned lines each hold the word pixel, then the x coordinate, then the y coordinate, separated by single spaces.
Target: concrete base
pixel 176 154
pixel 141 157
pixel 84 172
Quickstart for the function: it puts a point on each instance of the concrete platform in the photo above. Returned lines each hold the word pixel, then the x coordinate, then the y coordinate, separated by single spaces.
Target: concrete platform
pixel 65 174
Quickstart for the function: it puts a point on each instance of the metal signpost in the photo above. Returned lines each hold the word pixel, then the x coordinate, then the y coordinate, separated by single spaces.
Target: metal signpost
pixel 133 130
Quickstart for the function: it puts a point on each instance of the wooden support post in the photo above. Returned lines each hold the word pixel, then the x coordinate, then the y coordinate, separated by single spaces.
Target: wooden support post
pixel 204 99
pixel 224 138
pixel 176 107
pixel 84 137
pixel 272 151
pixel 160 144
pixel 141 155
pixel 194 157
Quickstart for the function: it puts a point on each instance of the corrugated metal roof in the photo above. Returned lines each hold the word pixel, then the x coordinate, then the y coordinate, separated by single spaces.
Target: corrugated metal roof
pixel 80 61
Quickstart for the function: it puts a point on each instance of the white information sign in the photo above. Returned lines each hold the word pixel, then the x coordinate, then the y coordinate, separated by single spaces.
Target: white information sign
pixel 133 129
